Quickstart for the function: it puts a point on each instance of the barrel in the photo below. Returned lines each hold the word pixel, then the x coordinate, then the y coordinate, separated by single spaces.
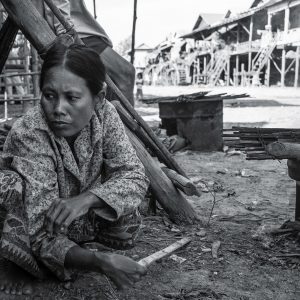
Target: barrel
pixel 200 122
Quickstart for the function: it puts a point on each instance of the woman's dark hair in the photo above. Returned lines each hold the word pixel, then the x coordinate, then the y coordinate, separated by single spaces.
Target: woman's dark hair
pixel 78 59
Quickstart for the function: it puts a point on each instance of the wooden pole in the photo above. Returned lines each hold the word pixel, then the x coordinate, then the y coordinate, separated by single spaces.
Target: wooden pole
pixel 133 32
pixel 250 45
pixel 95 10
pixel 268 73
pixel 297 66
pixel 30 21
pixel 228 72
pixel 8 35
pixel 283 65
pixel 35 69
pixel 177 207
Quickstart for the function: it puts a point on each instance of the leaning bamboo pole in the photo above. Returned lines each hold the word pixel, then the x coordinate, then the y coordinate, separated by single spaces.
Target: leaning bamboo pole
pixel 26 16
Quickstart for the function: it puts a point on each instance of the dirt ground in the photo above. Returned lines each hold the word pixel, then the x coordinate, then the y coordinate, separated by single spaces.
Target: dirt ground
pixel 246 200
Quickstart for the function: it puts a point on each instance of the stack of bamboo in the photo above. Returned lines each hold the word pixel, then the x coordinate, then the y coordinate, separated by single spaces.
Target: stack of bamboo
pixel 193 97
pixel 260 143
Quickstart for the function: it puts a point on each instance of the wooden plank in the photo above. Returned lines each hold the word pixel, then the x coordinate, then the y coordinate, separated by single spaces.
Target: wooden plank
pixel 164 252
pixel 177 207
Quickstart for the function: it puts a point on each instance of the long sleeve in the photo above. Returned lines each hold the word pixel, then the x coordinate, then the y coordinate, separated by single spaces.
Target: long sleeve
pixel 125 184
pixel 34 159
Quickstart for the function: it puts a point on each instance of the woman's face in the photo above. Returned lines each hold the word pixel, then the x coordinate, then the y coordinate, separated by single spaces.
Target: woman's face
pixel 67 101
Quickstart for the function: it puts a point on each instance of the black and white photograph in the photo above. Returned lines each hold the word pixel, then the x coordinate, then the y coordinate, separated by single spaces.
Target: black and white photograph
pixel 149 149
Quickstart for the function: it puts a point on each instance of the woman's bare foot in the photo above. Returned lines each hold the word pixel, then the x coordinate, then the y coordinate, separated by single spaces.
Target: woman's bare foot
pixel 14 280
pixel 122 270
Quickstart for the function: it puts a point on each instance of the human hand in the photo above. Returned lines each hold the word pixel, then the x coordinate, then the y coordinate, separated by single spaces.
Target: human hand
pixel 122 270
pixel 63 212
pixel 294 169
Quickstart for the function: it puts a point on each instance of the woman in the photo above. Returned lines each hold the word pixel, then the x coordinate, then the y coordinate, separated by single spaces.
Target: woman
pixel 72 176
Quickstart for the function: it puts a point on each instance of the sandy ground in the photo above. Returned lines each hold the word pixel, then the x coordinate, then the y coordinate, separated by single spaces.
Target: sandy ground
pixel 250 198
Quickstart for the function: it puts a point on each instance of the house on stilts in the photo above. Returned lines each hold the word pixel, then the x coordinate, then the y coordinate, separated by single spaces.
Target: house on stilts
pixel 260 46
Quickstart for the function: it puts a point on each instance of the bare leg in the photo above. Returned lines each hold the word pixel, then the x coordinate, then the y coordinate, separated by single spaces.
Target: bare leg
pixel 13 280
pixel 122 270
pixel 121 72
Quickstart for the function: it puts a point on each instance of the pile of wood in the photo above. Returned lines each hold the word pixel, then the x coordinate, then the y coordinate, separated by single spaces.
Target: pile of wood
pixel 199 96
pixel 264 143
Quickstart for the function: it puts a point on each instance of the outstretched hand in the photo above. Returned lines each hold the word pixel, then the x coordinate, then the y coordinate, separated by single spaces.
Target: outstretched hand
pixel 122 270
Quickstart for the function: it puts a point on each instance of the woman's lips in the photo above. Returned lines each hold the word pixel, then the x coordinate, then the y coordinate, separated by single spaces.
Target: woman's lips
pixel 57 123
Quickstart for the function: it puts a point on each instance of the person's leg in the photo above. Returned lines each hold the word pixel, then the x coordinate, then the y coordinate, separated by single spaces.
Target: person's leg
pixel 14 248
pixel 121 234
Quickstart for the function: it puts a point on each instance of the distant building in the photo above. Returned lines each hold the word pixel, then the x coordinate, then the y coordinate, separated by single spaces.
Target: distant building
pixel 141 56
pixel 260 46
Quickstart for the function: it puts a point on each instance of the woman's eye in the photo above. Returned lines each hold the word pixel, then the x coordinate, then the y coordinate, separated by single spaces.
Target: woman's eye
pixel 49 96
pixel 73 98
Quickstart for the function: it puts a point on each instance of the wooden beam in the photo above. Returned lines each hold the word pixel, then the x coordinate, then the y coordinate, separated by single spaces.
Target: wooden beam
pixel 250 45
pixel 244 27
pixel 8 34
pixel 30 21
pixel 283 66
pixel 290 65
pixel 268 73
pixel 297 67
pixel 286 19
pixel 228 72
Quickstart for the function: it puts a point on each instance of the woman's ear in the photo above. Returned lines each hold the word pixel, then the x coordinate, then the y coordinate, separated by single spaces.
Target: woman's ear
pixel 102 93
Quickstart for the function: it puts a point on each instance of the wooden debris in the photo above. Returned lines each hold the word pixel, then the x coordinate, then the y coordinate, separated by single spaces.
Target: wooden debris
pixel 199 96
pixel 215 248
pixel 147 261
pixel 182 183
pixel 264 143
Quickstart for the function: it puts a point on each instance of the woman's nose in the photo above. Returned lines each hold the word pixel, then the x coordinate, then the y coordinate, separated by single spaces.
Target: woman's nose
pixel 60 107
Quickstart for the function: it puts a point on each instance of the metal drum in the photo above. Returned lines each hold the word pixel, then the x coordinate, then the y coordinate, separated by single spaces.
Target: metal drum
pixel 198 121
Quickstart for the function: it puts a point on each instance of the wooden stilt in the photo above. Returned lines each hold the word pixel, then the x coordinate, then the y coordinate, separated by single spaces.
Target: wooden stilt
pixel 228 72
pixel 268 72
pixel 297 66
pixel 250 45
pixel 237 68
pixel 283 64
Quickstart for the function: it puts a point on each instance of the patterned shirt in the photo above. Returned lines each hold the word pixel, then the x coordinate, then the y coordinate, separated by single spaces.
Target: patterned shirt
pixel 103 163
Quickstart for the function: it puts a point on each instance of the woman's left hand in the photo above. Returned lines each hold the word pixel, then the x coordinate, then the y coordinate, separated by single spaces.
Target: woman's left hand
pixel 63 212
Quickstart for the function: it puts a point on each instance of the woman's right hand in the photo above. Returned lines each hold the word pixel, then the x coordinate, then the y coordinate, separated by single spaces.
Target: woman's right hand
pixel 122 270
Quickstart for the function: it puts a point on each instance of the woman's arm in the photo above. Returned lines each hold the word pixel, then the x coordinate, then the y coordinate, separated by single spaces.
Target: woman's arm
pixel 125 183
